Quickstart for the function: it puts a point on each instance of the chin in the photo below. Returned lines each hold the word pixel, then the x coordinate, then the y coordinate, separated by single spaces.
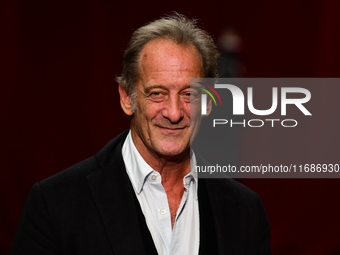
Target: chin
pixel 171 150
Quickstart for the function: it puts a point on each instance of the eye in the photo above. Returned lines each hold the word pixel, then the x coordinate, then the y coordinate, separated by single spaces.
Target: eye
pixel 157 96
pixel 191 96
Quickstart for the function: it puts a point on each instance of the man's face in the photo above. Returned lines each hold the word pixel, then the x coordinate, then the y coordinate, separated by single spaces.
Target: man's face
pixel 161 125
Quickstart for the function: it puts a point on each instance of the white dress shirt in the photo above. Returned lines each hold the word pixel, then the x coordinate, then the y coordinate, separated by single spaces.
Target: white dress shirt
pixel 183 238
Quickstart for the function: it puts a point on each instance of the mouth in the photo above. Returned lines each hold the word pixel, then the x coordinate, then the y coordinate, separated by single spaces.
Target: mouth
pixel 171 129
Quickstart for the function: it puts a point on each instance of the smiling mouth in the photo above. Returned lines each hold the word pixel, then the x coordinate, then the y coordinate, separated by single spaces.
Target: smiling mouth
pixel 171 128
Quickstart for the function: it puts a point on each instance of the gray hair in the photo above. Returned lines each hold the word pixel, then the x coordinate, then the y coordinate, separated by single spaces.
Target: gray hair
pixel 177 28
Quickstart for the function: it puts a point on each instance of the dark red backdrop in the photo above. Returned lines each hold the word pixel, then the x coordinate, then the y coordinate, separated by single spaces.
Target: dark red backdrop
pixel 59 103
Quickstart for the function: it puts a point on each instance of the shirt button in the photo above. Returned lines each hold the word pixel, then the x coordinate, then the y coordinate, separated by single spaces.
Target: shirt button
pixel 153 177
pixel 162 211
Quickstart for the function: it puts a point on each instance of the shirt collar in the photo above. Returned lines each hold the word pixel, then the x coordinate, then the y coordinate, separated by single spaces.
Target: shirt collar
pixel 138 170
pixel 136 167
pixel 193 172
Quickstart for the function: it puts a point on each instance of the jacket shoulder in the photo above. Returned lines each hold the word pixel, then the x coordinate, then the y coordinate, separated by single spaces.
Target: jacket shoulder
pixel 72 174
pixel 78 172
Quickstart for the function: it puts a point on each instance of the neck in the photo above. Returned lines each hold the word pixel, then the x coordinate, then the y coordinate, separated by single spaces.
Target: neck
pixel 172 172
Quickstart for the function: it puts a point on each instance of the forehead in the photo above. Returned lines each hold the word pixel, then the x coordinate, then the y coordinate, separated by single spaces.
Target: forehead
pixel 165 55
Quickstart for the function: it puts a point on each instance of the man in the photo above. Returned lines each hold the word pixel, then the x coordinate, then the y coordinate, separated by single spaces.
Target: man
pixel 139 194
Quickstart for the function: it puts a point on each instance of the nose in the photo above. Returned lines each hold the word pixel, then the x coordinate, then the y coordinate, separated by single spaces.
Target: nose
pixel 173 111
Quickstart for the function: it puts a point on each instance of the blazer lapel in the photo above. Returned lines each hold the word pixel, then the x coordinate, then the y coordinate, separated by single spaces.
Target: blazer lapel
pixel 113 195
pixel 223 209
pixel 217 207
pixel 117 203
pixel 208 244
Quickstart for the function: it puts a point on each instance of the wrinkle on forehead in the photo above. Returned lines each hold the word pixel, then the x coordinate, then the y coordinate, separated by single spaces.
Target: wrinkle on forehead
pixel 165 55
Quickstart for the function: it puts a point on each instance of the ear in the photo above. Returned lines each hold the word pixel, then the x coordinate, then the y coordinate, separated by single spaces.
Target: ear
pixel 209 107
pixel 125 101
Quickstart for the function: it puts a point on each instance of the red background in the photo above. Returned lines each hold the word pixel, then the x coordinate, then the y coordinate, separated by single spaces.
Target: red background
pixel 59 100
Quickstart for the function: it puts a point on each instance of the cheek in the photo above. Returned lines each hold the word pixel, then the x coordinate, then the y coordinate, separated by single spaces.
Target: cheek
pixel 154 110
pixel 194 110
pixel 147 114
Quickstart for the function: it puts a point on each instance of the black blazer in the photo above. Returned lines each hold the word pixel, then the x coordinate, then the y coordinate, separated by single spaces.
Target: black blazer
pixel 91 208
